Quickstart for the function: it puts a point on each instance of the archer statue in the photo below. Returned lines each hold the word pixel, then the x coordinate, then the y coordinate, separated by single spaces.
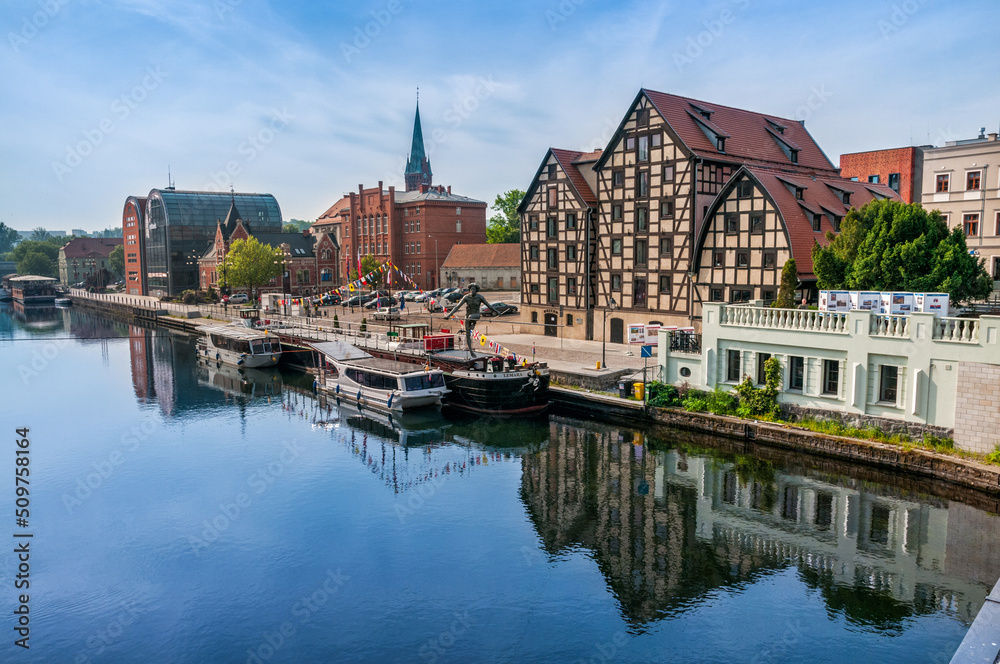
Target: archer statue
pixel 473 301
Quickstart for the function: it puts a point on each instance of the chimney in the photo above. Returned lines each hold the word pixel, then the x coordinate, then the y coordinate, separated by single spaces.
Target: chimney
pixel 423 188
pixel 449 189
pixel 379 187
pixel 991 137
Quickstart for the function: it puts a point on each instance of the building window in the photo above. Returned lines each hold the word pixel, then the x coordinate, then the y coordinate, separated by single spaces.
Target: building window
pixel 552 172
pixel 847 197
pixel 831 377
pixel 534 252
pixel 744 188
pixel 664 284
pixel 534 315
pixel 616 247
pixel 641 252
pixel 630 143
pixel 418 248
pixel 739 295
pixel 817 220
pixel 888 379
pixel 756 223
pixel 458 210
pixel 458 225
pixel 742 259
pixel 718 258
pixel 570 220
pixel 668 173
pixel 643 148
pixel 641 220
pixel 796 372
pixel 762 358
pixel 732 222
pixel 553 197
pixel 972 180
pixel 799 193
pixel 571 285
pixel 894 182
pixel 533 222
pixel 553 289
pixel 571 252
pixel 873 179
pixel 770 259
pixel 666 247
pixel 970 224
pixel 569 320
pixel 715 295
pixel 639 295
pixel 642 184
pixel 656 139
pixel 666 209
pixel 616 212
pixel 616 282
pixel 618 178
pixel 942 182
pixel 733 366
pixel 550 227
pixel 642 117
pixel 552 256
pixel 418 225
pixel 302 276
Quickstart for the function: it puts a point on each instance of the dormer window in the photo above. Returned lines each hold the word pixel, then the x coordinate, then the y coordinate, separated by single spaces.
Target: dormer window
pixel 794 156
pixel 721 143
pixel 775 126
pixel 847 197
pixel 703 112
pixel 817 219
pixel 800 193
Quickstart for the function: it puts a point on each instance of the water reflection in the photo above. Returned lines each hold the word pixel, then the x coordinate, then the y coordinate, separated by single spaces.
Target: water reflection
pixel 667 526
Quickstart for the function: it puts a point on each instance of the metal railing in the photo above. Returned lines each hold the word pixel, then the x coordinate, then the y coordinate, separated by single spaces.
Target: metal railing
pixel 685 342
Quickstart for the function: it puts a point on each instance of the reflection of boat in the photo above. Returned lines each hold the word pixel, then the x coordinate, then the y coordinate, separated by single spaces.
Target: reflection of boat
pixel 379 382
pixel 63 302
pixel 526 434
pixel 5 294
pixel 238 380
pixel 423 426
pixel 242 346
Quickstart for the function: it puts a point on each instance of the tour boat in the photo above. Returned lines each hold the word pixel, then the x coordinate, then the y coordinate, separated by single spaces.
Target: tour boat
pixel 241 346
pixel 63 301
pixel 5 294
pixel 32 289
pixel 376 382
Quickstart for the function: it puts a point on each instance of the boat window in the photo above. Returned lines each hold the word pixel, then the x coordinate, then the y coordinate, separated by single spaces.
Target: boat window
pixel 424 382
pixel 258 346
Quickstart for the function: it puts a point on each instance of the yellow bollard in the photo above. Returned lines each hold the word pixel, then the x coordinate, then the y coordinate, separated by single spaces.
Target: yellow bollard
pixel 598 365
pixel 640 389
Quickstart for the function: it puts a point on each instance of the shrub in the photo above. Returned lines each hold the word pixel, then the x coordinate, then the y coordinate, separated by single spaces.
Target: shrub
pixel 994 456
pixel 364 325
pixel 755 402
pixel 336 322
pixel 189 297
pixel 718 401
pixel 663 394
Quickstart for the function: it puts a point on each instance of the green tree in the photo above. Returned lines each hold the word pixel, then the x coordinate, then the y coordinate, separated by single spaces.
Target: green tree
pixel 892 246
pixel 35 262
pixel 25 247
pixel 789 282
pixel 39 234
pixel 117 260
pixel 505 226
pixel 8 238
pixel 250 264
pixel 368 265
pixel 291 228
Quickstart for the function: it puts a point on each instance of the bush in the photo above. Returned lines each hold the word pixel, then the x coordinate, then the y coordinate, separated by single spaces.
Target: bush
pixel 336 322
pixel 364 325
pixel 662 395
pixel 758 402
pixel 994 456
pixel 718 401
pixel 189 297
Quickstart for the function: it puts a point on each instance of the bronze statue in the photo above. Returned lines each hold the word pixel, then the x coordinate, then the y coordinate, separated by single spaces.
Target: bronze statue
pixel 472 301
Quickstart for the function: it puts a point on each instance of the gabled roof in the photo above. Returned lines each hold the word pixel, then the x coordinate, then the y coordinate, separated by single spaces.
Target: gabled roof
pixel 229 225
pixel 750 137
pixel 301 246
pixel 818 197
pixel 567 160
pixel 507 255
pixel 334 212
pixel 83 247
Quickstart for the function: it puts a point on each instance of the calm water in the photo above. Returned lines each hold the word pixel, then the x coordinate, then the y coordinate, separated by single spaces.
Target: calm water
pixel 185 513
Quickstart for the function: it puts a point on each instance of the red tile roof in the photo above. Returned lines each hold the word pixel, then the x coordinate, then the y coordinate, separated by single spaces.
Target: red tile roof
pixel 506 255
pixel 83 247
pixel 333 213
pixel 566 159
pixel 750 137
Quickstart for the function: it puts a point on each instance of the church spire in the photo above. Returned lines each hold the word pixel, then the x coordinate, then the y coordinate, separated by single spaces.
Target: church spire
pixel 418 166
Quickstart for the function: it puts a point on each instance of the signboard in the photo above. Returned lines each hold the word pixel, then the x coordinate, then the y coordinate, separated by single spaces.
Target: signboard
pixel 866 300
pixel 636 334
pixel 646 351
pixel 653 335
pixel 931 303
pixel 834 300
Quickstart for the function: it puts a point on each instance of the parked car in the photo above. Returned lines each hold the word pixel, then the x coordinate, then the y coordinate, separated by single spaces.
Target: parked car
pixel 381 301
pixel 236 298
pixel 453 296
pixel 327 300
pixel 502 309
pixel 357 300
pixel 386 313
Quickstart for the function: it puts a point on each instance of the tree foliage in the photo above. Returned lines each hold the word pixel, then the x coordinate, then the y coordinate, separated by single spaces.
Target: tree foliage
pixel 368 265
pixel 8 238
pixel 756 402
pixel 39 234
pixel 892 246
pixel 36 262
pixel 789 282
pixel 117 260
pixel 505 226
pixel 250 263
pixel 25 247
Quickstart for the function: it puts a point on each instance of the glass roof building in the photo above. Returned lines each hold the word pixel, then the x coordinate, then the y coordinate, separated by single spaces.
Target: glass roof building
pixel 181 224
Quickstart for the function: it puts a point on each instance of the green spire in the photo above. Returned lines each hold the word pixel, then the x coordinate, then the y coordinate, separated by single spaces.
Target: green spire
pixel 418 166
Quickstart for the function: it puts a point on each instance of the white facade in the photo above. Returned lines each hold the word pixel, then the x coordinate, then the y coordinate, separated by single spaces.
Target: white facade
pixel 918 368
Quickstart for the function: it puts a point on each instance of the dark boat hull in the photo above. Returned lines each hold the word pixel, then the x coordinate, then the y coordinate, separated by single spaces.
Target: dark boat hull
pixel 520 393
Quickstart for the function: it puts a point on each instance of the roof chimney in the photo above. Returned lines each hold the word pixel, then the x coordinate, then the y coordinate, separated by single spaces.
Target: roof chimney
pixel 449 186
pixel 991 137
pixel 424 188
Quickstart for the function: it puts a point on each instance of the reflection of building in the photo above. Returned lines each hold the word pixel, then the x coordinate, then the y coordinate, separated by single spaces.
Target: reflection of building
pixel 667 527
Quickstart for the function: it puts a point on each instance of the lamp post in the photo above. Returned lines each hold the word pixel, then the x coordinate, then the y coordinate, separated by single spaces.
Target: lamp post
pixel 604 333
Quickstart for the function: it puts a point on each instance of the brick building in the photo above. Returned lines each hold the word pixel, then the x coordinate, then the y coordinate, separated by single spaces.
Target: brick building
pixel 490 266
pixel 133 230
pixel 901 169
pixel 414 229
pixel 83 256
pixel 311 259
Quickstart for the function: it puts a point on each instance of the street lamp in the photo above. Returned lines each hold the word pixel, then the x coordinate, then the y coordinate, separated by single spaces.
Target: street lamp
pixel 604 333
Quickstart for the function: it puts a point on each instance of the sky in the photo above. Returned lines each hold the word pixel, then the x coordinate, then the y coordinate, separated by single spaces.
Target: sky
pixel 307 100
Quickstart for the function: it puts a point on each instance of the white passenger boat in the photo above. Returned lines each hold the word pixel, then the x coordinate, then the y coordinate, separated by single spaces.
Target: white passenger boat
pixel 241 346
pixel 352 374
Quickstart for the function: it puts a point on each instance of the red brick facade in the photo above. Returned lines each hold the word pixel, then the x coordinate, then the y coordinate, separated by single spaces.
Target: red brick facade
pixel 133 231
pixel 904 163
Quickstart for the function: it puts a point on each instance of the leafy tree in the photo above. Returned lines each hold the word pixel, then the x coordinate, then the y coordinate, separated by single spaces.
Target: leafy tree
pixel 99 280
pixel 110 232
pixel 36 262
pixel 755 402
pixel 368 265
pixel 8 238
pixel 505 226
pixel 25 247
pixel 291 228
pixel 789 281
pixel 250 264
pixel 300 225
pixel 39 234
pixel 117 260
pixel 892 246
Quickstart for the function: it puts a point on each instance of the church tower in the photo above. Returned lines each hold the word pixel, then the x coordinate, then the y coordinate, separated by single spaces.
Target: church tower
pixel 418 166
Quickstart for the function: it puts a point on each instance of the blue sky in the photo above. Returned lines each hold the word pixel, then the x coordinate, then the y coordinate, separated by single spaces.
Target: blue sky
pixel 305 100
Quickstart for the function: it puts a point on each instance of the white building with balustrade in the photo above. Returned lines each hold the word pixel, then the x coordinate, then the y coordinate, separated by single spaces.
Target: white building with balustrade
pixel 916 371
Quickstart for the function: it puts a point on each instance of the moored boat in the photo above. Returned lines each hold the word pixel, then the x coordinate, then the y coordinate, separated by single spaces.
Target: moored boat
pixel 240 346
pixel 63 302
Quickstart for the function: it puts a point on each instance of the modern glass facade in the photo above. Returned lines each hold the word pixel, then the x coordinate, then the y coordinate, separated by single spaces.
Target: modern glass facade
pixel 180 225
